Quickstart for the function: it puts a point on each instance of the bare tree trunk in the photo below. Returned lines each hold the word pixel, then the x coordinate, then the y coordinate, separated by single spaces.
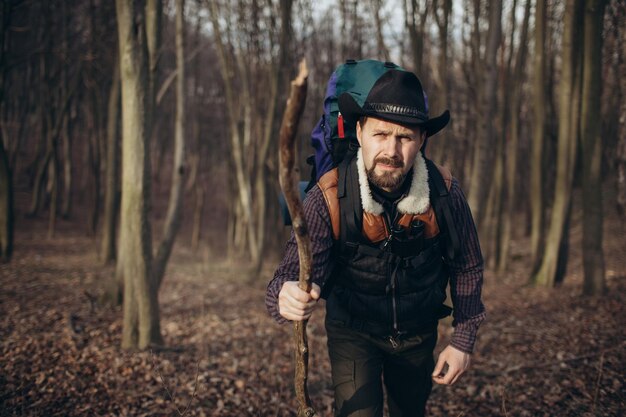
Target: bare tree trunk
pixel 621 146
pixel 416 25
pixel 6 206
pixel 65 130
pixel 174 210
pixel 593 258
pixel 197 217
pixel 513 144
pixel 243 182
pixel 154 16
pixel 537 200
pixel 264 158
pixel 53 191
pixel 383 51
pixel 441 152
pixel 6 175
pixel 569 109
pixel 111 196
pixel 94 165
pixel 141 310
pixel 484 152
pixel 40 164
pixel 67 169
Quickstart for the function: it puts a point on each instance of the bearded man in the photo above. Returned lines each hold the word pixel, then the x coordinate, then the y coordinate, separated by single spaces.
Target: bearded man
pixel 389 230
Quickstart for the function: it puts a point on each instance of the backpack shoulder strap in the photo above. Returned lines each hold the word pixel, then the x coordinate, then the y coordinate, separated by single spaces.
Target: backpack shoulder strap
pixel 440 181
pixel 328 184
pixel 348 193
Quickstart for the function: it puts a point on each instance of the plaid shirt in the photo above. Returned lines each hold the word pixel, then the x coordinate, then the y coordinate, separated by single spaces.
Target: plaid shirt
pixel 466 270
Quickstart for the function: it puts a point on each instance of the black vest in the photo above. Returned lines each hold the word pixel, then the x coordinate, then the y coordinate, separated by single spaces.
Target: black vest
pixel 395 287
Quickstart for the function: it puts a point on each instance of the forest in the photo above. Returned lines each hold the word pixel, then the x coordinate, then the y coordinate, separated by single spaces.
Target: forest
pixel 140 220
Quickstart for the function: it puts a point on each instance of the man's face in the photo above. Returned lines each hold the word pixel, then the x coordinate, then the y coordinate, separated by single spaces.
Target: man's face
pixel 389 150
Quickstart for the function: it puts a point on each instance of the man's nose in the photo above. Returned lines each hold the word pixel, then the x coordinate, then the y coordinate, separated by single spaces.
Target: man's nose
pixel 392 148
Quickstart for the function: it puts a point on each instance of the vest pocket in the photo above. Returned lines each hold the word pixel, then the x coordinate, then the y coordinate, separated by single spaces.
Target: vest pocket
pixel 419 308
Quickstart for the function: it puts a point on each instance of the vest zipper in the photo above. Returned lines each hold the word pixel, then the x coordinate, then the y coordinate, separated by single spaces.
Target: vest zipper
pixel 393 303
pixel 392 283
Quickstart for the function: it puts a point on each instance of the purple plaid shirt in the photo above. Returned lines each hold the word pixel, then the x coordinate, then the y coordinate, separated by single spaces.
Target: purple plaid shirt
pixel 466 270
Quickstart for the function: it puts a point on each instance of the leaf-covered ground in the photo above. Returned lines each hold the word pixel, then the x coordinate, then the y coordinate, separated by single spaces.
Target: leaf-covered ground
pixel 540 353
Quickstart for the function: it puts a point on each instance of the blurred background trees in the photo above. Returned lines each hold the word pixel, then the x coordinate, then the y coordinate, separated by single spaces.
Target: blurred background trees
pixel 537 138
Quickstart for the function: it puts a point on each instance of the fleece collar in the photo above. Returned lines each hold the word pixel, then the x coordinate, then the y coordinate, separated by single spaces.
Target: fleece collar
pixel 417 200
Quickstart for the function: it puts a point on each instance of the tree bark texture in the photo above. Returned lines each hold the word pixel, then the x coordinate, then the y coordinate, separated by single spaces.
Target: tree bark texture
pixel 593 257
pixel 174 210
pixel 513 144
pixel 484 154
pixel 416 25
pixel 289 178
pixel 569 110
pixel 141 313
pixel 6 175
pixel 6 206
pixel 235 116
pixel 251 113
pixel 440 103
pixel 537 200
pixel 153 16
pixel 65 130
pixel 383 51
pixel 111 196
pixel 67 168
pixel 621 146
pixel 264 183
pixel 53 191
pixel 197 217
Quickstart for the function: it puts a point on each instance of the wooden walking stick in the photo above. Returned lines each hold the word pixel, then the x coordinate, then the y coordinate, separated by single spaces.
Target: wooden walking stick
pixel 289 178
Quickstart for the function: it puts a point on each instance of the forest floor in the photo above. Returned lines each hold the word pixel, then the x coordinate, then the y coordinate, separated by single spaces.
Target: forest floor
pixel 540 352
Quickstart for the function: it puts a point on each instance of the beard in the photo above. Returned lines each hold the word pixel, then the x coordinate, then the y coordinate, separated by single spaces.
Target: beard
pixel 387 180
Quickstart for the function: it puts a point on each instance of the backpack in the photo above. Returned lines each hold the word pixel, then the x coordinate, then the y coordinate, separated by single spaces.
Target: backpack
pixel 331 137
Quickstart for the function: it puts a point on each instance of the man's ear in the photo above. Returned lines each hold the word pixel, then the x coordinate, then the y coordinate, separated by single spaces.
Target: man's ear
pixel 359 132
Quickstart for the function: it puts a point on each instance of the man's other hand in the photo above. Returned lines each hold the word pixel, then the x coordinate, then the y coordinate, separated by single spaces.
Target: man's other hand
pixel 296 304
pixel 457 363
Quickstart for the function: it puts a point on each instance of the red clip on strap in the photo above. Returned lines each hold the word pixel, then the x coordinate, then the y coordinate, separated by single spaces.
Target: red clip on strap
pixel 340 126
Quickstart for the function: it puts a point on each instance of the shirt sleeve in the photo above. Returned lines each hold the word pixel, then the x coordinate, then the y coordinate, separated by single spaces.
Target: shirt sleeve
pixel 466 275
pixel 320 231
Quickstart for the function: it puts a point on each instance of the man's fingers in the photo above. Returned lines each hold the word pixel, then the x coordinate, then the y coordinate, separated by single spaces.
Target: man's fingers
pixel 295 302
pixel 439 367
pixel 315 291
pixel 295 317
pixel 293 309
pixel 456 377
pixel 446 379
pixel 300 295
pixel 296 292
pixel 291 312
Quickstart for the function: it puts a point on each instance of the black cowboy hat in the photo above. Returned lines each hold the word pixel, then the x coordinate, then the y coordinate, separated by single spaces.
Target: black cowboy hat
pixel 397 96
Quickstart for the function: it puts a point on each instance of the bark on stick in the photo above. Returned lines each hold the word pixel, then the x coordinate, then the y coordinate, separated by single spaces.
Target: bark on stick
pixel 289 178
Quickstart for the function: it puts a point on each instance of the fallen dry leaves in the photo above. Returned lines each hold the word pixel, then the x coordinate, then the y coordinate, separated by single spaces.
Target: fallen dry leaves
pixel 541 353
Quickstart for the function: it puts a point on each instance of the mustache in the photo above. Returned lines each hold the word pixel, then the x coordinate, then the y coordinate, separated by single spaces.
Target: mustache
pixel 394 162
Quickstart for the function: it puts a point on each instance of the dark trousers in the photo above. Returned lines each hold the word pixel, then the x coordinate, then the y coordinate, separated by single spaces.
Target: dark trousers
pixel 361 362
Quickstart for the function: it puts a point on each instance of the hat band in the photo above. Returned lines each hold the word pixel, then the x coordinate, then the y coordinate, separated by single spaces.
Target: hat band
pixel 395 109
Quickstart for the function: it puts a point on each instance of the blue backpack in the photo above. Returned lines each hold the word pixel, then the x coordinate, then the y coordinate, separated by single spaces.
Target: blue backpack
pixel 331 137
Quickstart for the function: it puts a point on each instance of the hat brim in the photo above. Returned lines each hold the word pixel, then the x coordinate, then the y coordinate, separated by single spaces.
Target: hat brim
pixel 352 111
